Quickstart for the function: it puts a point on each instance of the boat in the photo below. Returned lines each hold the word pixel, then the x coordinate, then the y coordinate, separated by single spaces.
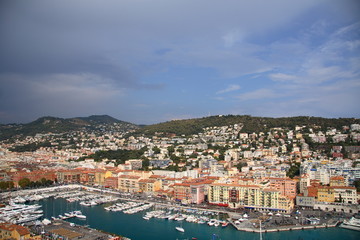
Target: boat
pixel 79 214
pixel 353 224
pixel 180 229
pixel 224 224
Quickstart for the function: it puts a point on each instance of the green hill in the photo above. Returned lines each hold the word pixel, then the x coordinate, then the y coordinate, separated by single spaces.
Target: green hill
pixel 61 125
pixel 250 124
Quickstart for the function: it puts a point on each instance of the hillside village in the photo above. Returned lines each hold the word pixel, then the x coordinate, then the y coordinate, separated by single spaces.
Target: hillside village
pixel 276 170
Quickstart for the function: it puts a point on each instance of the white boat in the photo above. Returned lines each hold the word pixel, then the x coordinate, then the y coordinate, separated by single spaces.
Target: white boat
pixel 79 214
pixel 353 224
pixel 180 229
pixel 46 221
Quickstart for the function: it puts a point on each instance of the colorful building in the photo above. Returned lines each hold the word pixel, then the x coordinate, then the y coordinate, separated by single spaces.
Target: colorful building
pixel 248 196
pixel 13 231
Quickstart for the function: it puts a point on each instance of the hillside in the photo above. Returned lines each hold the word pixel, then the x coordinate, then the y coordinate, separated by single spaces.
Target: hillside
pixel 250 124
pixel 61 125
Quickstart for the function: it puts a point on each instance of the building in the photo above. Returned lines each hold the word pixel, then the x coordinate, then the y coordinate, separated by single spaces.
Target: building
pixel 111 182
pixel 248 196
pixel 13 231
pixel 149 185
pixel 286 186
pixel 303 201
pixel 33 176
pixel 326 194
pixel 128 183
pixel 68 176
pixel 135 164
pixel 345 195
pixel 189 192
pixel 337 181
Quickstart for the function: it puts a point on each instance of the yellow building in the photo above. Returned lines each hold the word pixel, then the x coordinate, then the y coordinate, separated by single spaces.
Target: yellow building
pixel 149 185
pixel 13 231
pixel 325 194
pixel 248 196
pixel 128 183
pixel 100 176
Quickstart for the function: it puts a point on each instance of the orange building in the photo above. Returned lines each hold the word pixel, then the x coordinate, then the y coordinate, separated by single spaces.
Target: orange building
pixel 286 186
pixel 33 176
pixel 13 231
pixel 111 182
pixel 337 181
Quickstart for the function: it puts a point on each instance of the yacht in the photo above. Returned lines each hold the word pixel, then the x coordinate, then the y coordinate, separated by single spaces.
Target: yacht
pixel 79 214
pixel 180 229
pixel 353 223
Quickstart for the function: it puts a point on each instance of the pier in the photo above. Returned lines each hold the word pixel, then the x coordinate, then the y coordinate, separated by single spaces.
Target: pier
pixel 247 226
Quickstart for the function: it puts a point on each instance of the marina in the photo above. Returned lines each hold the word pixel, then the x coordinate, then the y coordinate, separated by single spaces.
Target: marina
pixel 153 220
pixel 137 228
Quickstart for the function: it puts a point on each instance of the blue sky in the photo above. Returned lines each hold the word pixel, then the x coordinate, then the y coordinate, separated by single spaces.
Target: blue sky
pixel 153 61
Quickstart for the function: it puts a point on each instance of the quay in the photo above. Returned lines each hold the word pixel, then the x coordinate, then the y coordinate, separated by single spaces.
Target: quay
pixel 67 230
pixel 249 227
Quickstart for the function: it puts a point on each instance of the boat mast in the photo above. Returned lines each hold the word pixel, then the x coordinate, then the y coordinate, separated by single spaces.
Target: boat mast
pixel 260 231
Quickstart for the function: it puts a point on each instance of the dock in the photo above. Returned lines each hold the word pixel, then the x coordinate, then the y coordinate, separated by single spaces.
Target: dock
pixel 247 226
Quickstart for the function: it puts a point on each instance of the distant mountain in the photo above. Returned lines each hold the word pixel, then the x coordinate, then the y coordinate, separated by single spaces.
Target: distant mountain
pixel 250 124
pixel 62 125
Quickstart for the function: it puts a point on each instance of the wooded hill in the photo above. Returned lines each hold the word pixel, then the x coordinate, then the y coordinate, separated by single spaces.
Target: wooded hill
pixel 62 125
pixel 250 124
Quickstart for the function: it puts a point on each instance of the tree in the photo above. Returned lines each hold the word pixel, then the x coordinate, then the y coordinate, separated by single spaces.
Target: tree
pixel 145 163
pixel 156 150
pixel 294 170
pixel 170 149
pixel 24 182
pixel 357 185
pixel 43 181
pixel 240 165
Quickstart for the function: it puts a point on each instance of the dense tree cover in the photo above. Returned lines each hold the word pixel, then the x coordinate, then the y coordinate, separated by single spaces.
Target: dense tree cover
pixel 25 183
pixel 6 185
pixel 120 156
pixel 294 170
pixel 357 185
pixel 240 165
pixel 31 147
pixel 61 125
pixel 250 124
pixel 156 150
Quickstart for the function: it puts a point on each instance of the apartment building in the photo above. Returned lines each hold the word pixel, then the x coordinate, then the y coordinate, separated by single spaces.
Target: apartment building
pixel 248 196
pixel 128 183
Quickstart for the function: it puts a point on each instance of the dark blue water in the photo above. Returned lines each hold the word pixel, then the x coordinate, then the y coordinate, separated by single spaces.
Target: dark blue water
pixel 136 228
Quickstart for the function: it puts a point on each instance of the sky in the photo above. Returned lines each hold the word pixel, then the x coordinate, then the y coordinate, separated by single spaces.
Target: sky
pixel 148 62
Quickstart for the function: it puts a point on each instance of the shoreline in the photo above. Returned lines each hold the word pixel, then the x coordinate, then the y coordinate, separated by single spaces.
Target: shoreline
pixel 232 215
pixel 281 229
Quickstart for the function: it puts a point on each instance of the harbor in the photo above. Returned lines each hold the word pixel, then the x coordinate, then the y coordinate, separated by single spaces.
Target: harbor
pixel 112 212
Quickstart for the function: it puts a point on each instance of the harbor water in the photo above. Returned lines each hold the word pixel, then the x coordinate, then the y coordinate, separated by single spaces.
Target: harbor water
pixel 135 227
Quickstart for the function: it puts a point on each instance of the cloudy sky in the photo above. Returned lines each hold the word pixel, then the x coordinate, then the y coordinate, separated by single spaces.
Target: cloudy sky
pixel 148 61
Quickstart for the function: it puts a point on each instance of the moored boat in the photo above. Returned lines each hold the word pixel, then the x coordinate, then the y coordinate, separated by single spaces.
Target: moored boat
pixel 353 224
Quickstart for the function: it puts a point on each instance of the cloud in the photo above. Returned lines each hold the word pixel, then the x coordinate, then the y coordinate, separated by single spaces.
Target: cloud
pixel 282 77
pixel 79 57
pixel 231 38
pixel 230 88
pixel 262 93
pixel 57 95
